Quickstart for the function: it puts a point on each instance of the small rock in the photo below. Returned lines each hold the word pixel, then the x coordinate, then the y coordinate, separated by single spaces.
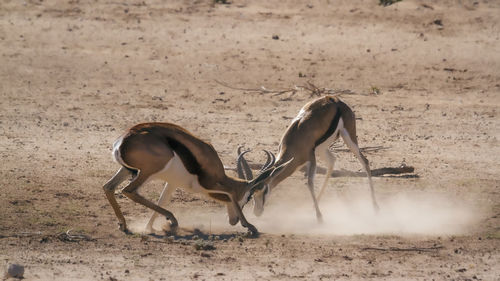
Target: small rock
pixel 347 258
pixel 276 37
pixel 206 255
pixel 438 22
pixel 15 270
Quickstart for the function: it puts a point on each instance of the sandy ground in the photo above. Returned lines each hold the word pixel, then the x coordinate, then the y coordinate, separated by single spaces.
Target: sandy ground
pixel 425 85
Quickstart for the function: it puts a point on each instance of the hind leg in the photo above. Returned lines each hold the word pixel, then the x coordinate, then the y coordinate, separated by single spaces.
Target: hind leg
pixel 364 162
pixel 131 192
pixel 109 189
pixel 329 158
pixel 311 172
pixel 165 197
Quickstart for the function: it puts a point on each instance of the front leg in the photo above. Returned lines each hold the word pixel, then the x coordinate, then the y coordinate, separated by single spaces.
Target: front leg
pixel 253 231
pixel 165 197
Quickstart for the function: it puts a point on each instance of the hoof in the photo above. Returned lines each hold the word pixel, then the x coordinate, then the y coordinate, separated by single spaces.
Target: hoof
pixel 253 234
pixel 173 222
pixel 170 228
pixel 252 231
pixel 124 228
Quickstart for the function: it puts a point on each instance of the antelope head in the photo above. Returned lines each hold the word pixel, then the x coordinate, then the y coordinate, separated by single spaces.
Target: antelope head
pixel 261 188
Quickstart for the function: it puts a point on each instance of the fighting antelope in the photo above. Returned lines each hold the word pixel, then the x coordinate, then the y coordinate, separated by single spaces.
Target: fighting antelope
pixel 167 191
pixel 318 124
pixel 168 152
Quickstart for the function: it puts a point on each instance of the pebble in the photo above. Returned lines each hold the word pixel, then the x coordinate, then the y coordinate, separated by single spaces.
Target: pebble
pixel 15 270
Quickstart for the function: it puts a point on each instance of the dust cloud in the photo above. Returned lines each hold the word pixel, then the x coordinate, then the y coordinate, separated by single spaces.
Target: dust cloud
pixel 353 213
pixel 349 213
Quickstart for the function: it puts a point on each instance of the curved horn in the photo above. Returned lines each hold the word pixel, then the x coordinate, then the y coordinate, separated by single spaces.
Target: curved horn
pixel 270 160
pixel 244 171
pixel 239 149
pixel 268 174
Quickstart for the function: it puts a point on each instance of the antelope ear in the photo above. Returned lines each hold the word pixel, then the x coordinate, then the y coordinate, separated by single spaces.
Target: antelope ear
pixel 267 175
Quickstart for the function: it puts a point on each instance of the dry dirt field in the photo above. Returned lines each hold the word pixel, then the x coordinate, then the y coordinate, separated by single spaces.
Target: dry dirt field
pixel 422 76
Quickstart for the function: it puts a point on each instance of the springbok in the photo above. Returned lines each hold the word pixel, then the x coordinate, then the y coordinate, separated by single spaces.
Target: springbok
pixel 168 152
pixel 318 124
pixel 167 191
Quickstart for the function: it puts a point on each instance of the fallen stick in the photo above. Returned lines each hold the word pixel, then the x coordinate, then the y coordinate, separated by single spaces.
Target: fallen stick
pixel 63 236
pixel 310 87
pixel 366 149
pixel 345 173
pixel 413 249
pixel 375 172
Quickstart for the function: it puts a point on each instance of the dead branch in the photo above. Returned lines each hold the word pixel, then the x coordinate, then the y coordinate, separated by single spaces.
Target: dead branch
pixel 367 149
pixel 403 169
pixel 63 236
pixel 412 249
pixel 261 90
pixel 309 87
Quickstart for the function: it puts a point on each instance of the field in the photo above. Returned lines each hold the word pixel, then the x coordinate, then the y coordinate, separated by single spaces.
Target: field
pixel 422 77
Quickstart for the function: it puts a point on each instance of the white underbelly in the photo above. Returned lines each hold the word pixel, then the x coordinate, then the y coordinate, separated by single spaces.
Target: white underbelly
pixel 326 144
pixel 177 175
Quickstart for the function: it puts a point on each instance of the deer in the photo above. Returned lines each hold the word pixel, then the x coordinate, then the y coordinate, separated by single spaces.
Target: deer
pixel 318 124
pixel 168 152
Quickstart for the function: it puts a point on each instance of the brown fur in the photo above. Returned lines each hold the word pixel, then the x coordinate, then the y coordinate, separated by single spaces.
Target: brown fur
pixel 148 147
pixel 315 124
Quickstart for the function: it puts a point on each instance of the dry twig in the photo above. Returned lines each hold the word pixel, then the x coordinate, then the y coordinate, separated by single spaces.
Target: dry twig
pixel 412 249
pixel 403 169
pixel 310 87
pixel 367 149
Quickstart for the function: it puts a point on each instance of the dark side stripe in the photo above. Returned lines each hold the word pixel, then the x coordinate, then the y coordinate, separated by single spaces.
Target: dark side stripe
pixel 186 156
pixel 331 129
pixel 132 171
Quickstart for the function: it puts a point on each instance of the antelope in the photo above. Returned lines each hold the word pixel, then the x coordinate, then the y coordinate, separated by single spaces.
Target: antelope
pixel 168 152
pixel 166 194
pixel 310 134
